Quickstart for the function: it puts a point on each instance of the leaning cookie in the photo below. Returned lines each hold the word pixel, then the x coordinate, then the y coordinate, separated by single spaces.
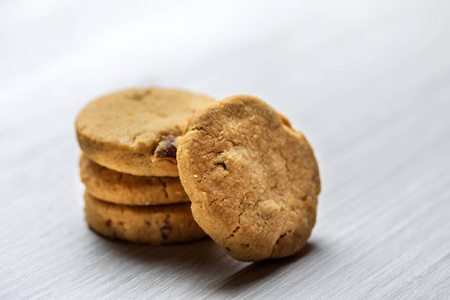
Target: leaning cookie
pixel 252 179
pixel 154 225
pixel 122 188
pixel 135 131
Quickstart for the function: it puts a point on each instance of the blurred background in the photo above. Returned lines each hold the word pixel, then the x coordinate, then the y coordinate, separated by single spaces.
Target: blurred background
pixel 368 82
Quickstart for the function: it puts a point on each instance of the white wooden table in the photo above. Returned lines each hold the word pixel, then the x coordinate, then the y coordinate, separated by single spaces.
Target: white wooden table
pixel 367 81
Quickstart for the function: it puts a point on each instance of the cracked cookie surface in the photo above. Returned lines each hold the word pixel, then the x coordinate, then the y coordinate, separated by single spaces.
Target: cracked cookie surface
pixel 154 225
pixel 121 188
pixel 123 130
pixel 252 179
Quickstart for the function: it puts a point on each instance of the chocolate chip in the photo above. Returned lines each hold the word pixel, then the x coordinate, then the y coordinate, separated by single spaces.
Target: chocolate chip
pixel 167 147
pixel 165 231
pixel 221 164
pixel 139 95
pixel 167 152
pixel 135 96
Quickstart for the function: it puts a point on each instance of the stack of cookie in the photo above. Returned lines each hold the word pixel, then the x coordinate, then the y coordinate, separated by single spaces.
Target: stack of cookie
pixel 246 178
pixel 129 167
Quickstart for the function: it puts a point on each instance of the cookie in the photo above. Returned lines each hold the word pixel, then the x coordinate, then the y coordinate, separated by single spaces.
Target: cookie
pixel 252 179
pixel 154 225
pixel 135 131
pixel 121 188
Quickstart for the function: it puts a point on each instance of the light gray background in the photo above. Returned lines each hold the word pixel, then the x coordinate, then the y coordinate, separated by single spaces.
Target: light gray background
pixel 368 82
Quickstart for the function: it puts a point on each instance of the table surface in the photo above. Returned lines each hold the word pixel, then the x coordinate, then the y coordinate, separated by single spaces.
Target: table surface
pixel 368 82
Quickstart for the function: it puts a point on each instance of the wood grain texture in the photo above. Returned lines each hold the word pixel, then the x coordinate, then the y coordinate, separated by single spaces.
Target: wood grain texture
pixel 368 83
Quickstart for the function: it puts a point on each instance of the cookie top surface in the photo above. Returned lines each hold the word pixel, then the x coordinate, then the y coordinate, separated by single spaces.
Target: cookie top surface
pixel 133 131
pixel 252 179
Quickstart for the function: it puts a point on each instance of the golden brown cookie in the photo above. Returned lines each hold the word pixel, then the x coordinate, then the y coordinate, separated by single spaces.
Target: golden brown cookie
pixel 121 188
pixel 252 179
pixel 135 131
pixel 154 225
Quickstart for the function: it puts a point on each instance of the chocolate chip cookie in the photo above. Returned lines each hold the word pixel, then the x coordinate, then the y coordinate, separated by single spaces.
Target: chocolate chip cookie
pixel 154 225
pixel 135 131
pixel 121 188
pixel 252 179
